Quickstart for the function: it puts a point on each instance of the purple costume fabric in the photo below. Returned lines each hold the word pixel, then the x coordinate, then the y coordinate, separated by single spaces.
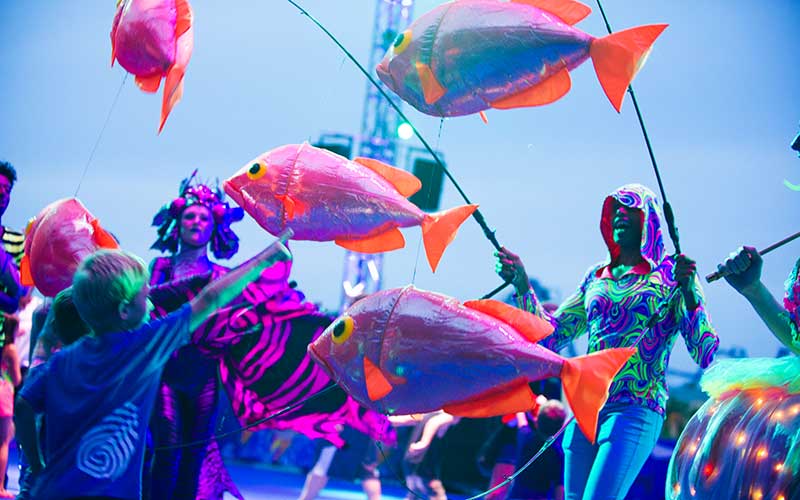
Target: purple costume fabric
pixel 261 342
pixel 186 407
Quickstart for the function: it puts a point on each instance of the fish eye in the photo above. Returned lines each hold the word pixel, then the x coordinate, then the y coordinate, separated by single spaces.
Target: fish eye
pixel 342 330
pixel 256 171
pixel 402 41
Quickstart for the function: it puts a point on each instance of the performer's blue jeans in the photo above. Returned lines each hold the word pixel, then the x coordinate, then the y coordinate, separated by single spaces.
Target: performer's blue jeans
pixel 606 470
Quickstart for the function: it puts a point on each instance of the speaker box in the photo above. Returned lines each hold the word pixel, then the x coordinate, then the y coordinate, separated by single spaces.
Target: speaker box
pixel 432 176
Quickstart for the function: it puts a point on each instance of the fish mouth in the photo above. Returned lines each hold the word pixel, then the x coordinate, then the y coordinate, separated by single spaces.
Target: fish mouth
pixel 385 74
pixel 312 351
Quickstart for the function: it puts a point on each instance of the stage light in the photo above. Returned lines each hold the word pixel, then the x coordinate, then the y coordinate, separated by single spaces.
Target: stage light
pixel 405 131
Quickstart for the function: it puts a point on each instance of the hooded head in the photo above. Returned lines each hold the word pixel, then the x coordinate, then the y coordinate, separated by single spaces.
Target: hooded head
pixel 638 197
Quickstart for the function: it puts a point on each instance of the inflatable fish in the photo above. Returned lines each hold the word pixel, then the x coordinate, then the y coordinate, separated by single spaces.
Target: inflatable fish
pixel 359 204
pixel 405 350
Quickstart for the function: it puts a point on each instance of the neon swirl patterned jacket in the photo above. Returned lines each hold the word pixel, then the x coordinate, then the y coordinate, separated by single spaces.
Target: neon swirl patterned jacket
pixel 614 312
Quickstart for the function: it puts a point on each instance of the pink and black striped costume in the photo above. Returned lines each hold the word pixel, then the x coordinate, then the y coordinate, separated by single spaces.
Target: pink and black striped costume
pixel 260 342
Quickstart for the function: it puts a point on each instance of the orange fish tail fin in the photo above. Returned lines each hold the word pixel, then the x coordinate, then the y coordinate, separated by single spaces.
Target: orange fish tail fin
pixel 619 56
pixel 25 275
pixel 586 381
pixel 173 85
pixel 439 230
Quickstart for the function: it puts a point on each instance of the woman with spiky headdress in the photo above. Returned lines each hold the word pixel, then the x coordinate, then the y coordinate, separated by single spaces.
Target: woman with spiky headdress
pixel 186 410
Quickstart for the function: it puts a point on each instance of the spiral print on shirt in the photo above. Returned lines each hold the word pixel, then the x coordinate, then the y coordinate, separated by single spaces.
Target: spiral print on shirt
pixel 106 450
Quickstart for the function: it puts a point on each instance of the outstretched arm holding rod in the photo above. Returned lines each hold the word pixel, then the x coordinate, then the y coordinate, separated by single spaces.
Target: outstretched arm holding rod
pixel 742 270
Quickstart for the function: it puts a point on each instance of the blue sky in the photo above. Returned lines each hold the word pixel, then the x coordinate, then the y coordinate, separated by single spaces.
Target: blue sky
pixel 718 93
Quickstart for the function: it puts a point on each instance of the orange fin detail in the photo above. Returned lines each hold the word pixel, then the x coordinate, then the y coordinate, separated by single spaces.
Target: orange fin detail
pixel 439 230
pixel 431 88
pixel 384 242
pixel 149 83
pixel 569 11
pixel 619 56
pixel 25 275
pixel 291 206
pixel 183 21
pixel 586 380
pixel 529 325
pixel 103 238
pixel 484 118
pixel 547 91
pixel 512 399
pixel 184 43
pixel 377 384
pixel 405 182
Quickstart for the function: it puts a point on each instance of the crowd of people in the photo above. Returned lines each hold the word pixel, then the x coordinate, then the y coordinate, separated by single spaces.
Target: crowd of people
pixel 118 377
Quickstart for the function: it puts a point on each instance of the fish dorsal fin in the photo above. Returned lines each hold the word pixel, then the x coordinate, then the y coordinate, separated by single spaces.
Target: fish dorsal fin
pixel 383 242
pixel 432 90
pixel 547 91
pixel 377 384
pixel 405 182
pixel 529 325
pixel 569 11
pixel 25 275
pixel 103 238
pixel 512 399
pixel 183 20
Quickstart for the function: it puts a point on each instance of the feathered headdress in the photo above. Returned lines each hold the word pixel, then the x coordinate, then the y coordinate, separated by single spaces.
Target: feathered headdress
pixel 224 242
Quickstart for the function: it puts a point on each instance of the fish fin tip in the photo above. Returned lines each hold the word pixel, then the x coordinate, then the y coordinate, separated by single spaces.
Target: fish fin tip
pixel 378 386
pixel 440 229
pixel 511 399
pixel 103 238
pixel 545 92
pixel 618 57
pixel 406 183
pixel 383 242
pixel 532 327
pixel 432 90
pixel 586 380
pixel 569 11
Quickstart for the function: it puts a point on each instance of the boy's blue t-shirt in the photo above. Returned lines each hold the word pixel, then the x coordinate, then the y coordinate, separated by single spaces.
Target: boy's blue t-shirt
pixel 97 396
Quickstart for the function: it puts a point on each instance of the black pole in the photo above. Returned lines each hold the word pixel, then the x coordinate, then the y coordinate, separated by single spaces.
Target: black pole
pixel 668 214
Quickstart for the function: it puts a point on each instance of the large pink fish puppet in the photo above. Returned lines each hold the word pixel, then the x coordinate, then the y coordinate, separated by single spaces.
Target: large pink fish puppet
pixel 466 56
pixel 359 204
pixel 56 242
pixel 153 39
pixel 405 350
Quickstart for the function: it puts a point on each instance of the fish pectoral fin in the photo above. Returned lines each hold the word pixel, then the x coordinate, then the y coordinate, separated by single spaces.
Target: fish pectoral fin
pixel 547 91
pixel 378 385
pixel 510 399
pixel 103 238
pixel 149 83
pixel 384 242
pixel 432 90
pixel 406 183
pixel 484 118
pixel 25 276
pixel 291 206
pixel 532 327
pixel 569 11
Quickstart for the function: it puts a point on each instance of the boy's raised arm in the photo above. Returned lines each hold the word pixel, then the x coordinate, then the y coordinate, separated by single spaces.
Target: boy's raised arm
pixel 221 291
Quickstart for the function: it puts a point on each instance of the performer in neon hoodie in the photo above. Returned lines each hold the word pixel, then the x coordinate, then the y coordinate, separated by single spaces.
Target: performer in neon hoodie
pixel 614 305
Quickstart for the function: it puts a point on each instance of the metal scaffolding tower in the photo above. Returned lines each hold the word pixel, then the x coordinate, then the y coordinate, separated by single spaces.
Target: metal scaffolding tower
pixel 378 139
